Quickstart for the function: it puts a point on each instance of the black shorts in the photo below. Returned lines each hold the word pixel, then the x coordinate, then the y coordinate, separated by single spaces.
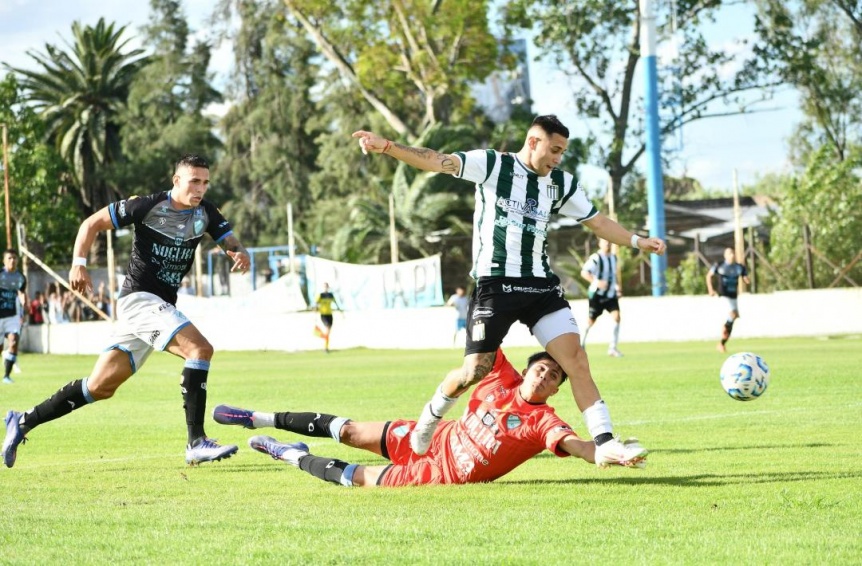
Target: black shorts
pixel 599 304
pixel 326 319
pixel 497 302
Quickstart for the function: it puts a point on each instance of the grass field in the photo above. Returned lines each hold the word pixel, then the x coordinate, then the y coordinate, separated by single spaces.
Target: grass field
pixel 774 481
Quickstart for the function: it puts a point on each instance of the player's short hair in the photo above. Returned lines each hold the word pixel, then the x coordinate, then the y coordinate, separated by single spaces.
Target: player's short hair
pixel 538 356
pixel 191 160
pixel 551 125
pixel 10 251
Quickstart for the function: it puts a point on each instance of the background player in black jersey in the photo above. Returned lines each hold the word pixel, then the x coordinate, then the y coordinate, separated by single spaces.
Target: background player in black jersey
pixel 13 306
pixel 168 227
pixel 728 273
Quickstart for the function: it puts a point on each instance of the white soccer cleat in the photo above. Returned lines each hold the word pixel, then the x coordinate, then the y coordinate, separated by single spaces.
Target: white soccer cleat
pixel 628 453
pixel 423 432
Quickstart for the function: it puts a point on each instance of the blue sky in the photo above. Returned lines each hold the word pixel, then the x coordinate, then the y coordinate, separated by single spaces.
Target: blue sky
pixel 753 144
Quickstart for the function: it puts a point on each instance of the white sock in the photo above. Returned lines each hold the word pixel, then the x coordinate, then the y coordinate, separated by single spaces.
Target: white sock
pixel 616 337
pixel 261 420
pixel 440 403
pixel 584 338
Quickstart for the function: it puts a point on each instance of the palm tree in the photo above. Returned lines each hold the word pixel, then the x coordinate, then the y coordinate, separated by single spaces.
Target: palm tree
pixel 78 92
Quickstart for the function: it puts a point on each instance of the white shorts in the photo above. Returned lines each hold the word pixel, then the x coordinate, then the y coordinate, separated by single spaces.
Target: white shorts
pixel 555 324
pixel 10 325
pixel 145 322
pixel 731 304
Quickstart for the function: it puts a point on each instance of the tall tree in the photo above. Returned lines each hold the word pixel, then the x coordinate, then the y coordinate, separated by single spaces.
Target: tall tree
pixel 165 114
pixel 39 200
pixel 270 131
pixel 412 61
pixel 816 45
pixel 597 44
pixel 827 198
pixel 79 92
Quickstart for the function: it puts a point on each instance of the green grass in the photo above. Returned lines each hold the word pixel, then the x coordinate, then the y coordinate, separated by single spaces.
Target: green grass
pixel 774 481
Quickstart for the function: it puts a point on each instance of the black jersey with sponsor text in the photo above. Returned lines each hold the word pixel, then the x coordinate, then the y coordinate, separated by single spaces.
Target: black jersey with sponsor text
pixel 165 240
pixel 11 283
pixel 728 277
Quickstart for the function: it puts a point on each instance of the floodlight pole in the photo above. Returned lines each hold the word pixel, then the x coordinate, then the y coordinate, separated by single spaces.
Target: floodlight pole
pixel 655 185
pixel 6 189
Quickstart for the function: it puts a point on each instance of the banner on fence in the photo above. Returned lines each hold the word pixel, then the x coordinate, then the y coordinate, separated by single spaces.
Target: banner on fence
pixel 409 284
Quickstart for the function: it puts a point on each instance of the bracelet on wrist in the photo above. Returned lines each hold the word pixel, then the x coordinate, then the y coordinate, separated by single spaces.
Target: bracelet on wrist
pixel 387 146
pixel 634 241
pixel 82 261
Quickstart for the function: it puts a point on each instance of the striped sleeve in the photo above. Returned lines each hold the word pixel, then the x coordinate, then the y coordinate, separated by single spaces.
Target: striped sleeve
pixel 575 203
pixel 476 165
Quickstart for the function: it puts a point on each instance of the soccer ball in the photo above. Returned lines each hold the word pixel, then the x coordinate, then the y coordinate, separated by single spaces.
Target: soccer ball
pixel 744 376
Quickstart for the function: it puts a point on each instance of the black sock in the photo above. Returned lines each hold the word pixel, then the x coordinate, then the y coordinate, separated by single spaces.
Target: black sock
pixel 8 366
pixel 327 469
pixel 602 438
pixel 64 401
pixel 194 388
pixel 728 328
pixel 307 424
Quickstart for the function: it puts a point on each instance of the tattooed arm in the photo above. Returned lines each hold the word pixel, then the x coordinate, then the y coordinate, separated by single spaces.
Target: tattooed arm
pixel 238 253
pixel 419 157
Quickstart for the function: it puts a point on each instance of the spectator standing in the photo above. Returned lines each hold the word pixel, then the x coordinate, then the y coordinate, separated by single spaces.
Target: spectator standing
pixel 461 302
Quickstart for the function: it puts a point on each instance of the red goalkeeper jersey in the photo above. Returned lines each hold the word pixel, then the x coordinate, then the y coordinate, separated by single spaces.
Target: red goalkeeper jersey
pixel 498 432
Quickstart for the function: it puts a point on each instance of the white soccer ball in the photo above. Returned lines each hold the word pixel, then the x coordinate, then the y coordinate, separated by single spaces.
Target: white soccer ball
pixel 745 376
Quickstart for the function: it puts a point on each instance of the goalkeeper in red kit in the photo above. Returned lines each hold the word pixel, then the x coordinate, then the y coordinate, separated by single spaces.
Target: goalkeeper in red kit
pixel 507 422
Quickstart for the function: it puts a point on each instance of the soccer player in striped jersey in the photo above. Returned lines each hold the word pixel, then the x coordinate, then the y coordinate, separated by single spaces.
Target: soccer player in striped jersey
pixel 601 270
pixel 516 197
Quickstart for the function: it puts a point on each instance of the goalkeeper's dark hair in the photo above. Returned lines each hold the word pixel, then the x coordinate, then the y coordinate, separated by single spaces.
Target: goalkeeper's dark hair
pixel 551 125
pixel 191 160
pixel 539 356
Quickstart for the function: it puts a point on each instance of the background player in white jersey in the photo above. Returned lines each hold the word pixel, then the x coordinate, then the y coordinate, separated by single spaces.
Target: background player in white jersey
pixel 601 270
pixel 168 227
pixel 516 195
pixel 729 272
pixel 13 306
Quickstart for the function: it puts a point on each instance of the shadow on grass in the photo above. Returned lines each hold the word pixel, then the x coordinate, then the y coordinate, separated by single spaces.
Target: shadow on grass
pixel 699 480
pixel 748 447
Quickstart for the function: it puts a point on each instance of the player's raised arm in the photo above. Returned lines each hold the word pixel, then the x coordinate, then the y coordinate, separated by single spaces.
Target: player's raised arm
pixel 606 228
pixel 419 157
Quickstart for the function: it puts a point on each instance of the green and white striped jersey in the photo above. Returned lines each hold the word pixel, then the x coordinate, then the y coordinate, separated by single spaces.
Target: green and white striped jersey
pixel 513 211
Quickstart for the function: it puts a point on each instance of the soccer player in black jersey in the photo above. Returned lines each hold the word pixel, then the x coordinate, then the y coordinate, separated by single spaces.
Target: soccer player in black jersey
pixel 729 273
pixel 13 306
pixel 168 227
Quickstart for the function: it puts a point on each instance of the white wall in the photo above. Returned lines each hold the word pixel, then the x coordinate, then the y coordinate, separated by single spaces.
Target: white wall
pixel 644 319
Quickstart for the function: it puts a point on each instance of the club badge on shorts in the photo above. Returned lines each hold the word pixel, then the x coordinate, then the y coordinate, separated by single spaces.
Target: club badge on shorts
pixel 478 332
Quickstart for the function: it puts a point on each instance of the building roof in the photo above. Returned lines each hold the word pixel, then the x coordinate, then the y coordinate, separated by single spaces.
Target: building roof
pixel 706 219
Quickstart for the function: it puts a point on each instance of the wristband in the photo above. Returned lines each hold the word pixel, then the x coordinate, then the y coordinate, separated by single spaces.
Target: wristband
pixel 634 241
pixel 82 261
